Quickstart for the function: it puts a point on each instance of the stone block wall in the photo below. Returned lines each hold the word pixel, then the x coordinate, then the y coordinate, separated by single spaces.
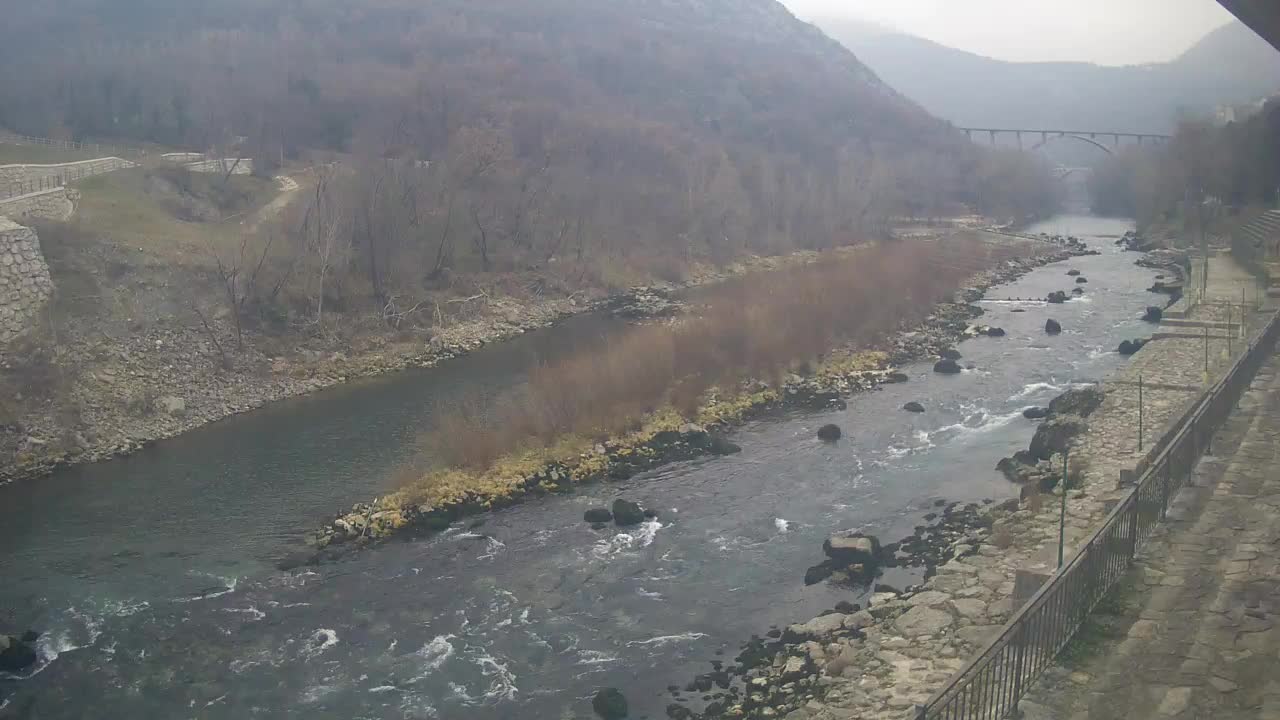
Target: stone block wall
pixel 245 166
pixel 51 204
pixel 27 174
pixel 25 285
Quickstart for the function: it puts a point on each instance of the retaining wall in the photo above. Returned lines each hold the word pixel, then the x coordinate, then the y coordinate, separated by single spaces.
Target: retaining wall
pixel 53 204
pixel 25 285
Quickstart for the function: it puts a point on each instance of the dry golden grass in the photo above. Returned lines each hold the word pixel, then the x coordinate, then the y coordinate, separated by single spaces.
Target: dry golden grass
pixel 757 327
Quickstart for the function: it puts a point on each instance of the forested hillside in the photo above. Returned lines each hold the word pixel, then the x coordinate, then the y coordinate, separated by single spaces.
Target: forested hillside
pixel 525 128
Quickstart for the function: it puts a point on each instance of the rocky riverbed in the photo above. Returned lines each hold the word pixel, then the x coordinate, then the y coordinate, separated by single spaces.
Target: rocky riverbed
pixel 669 439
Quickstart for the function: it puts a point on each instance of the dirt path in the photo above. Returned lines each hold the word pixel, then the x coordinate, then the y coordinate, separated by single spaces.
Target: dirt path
pixel 288 188
pixel 1192 633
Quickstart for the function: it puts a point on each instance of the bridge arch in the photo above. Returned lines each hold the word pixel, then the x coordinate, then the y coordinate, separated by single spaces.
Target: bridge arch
pixel 1071 136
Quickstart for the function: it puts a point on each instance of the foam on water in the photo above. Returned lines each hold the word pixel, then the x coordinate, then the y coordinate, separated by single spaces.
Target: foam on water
pixel 595 657
pixel 667 639
pixel 622 542
pixel 319 641
pixel 437 652
pixel 251 612
pixel 502 682
pixel 781 524
pixel 1035 389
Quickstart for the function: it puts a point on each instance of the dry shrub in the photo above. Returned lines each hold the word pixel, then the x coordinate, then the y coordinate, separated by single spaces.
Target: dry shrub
pixel 758 326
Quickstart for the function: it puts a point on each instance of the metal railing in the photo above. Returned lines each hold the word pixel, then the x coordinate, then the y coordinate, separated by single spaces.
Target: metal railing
pixel 59 175
pixel 107 149
pixel 993 682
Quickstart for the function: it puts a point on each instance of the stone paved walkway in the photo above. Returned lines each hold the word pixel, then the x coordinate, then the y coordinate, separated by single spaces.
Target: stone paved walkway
pixel 1197 636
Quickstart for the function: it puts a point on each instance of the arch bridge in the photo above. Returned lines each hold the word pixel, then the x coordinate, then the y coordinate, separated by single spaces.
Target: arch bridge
pixel 1092 137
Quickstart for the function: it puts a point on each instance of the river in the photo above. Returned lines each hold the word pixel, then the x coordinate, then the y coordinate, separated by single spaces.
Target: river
pixel 153 576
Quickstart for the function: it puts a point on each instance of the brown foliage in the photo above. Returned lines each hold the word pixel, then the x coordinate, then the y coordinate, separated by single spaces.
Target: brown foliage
pixel 757 327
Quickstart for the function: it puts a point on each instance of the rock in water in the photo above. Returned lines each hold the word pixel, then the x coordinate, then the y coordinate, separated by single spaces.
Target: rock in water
pixel 950 354
pixel 597 515
pixel 896 377
pixel 1078 291
pixel 853 547
pixel 947 367
pixel 626 513
pixel 1078 401
pixel 720 446
pixel 1153 314
pixel 1055 436
pixel 829 433
pixel 1052 327
pixel 817 574
pixel 1035 413
pixel 1057 297
pixel 1131 347
pixel 913 407
pixel 610 704
pixel 15 655
pixel 1073 273
pixel 995 332
pixel 1081 280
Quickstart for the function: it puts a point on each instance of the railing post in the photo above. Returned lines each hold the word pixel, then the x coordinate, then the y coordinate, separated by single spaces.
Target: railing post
pixel 921 712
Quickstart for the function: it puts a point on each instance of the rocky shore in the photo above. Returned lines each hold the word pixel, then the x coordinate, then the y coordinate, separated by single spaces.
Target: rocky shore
pixel 670 438
pixel 128 392
pixel 880 662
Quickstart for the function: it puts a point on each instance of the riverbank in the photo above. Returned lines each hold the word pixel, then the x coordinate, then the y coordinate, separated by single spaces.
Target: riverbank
pixel 126 393
pixel 444 496
pixel 882 661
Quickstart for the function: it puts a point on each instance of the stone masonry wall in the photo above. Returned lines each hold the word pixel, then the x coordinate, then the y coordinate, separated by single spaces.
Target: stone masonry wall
pixel 242 166
pixel 53 204
pixel 11 175
pixel 25 285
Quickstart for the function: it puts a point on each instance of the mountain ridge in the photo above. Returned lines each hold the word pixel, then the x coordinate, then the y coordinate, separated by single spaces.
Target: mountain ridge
pixel 1230 65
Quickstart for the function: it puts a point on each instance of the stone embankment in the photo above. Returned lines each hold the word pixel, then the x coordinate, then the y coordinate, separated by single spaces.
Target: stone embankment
pixel 55 203
pixel 33 175
pixel 25 285
pixel 882 661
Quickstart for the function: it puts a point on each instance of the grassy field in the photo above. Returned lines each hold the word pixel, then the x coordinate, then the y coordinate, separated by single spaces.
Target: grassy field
pixel 127 208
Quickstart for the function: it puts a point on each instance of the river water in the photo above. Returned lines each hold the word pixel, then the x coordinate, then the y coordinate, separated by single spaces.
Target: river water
pixel 153 576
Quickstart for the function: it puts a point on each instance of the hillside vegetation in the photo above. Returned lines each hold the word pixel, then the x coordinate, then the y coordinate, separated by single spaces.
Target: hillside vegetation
pixel 630 137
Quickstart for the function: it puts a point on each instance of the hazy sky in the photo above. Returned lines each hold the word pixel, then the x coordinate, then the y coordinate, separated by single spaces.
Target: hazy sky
pixel 1109 32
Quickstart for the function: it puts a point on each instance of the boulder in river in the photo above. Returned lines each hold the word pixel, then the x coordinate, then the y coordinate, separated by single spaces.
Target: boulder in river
pixel 1055 436
pixel 995 332
pixel 610 704
pixel 829 433
pixel 818 573
pixel 626 513
pixel 1080 401
pixel 1130 347
pixel 15 655
pixel 950 354
pixel 853 547
pixel 1153 314
pixel 1082 280
pixel 1035 413
pixel 1073 273
pixel 896 377
pixel 1078 291
pixel 1057 297
pixel 947 367
pixel 598 515
pixel 913 407
pixel 1052 327
pixel 718 445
